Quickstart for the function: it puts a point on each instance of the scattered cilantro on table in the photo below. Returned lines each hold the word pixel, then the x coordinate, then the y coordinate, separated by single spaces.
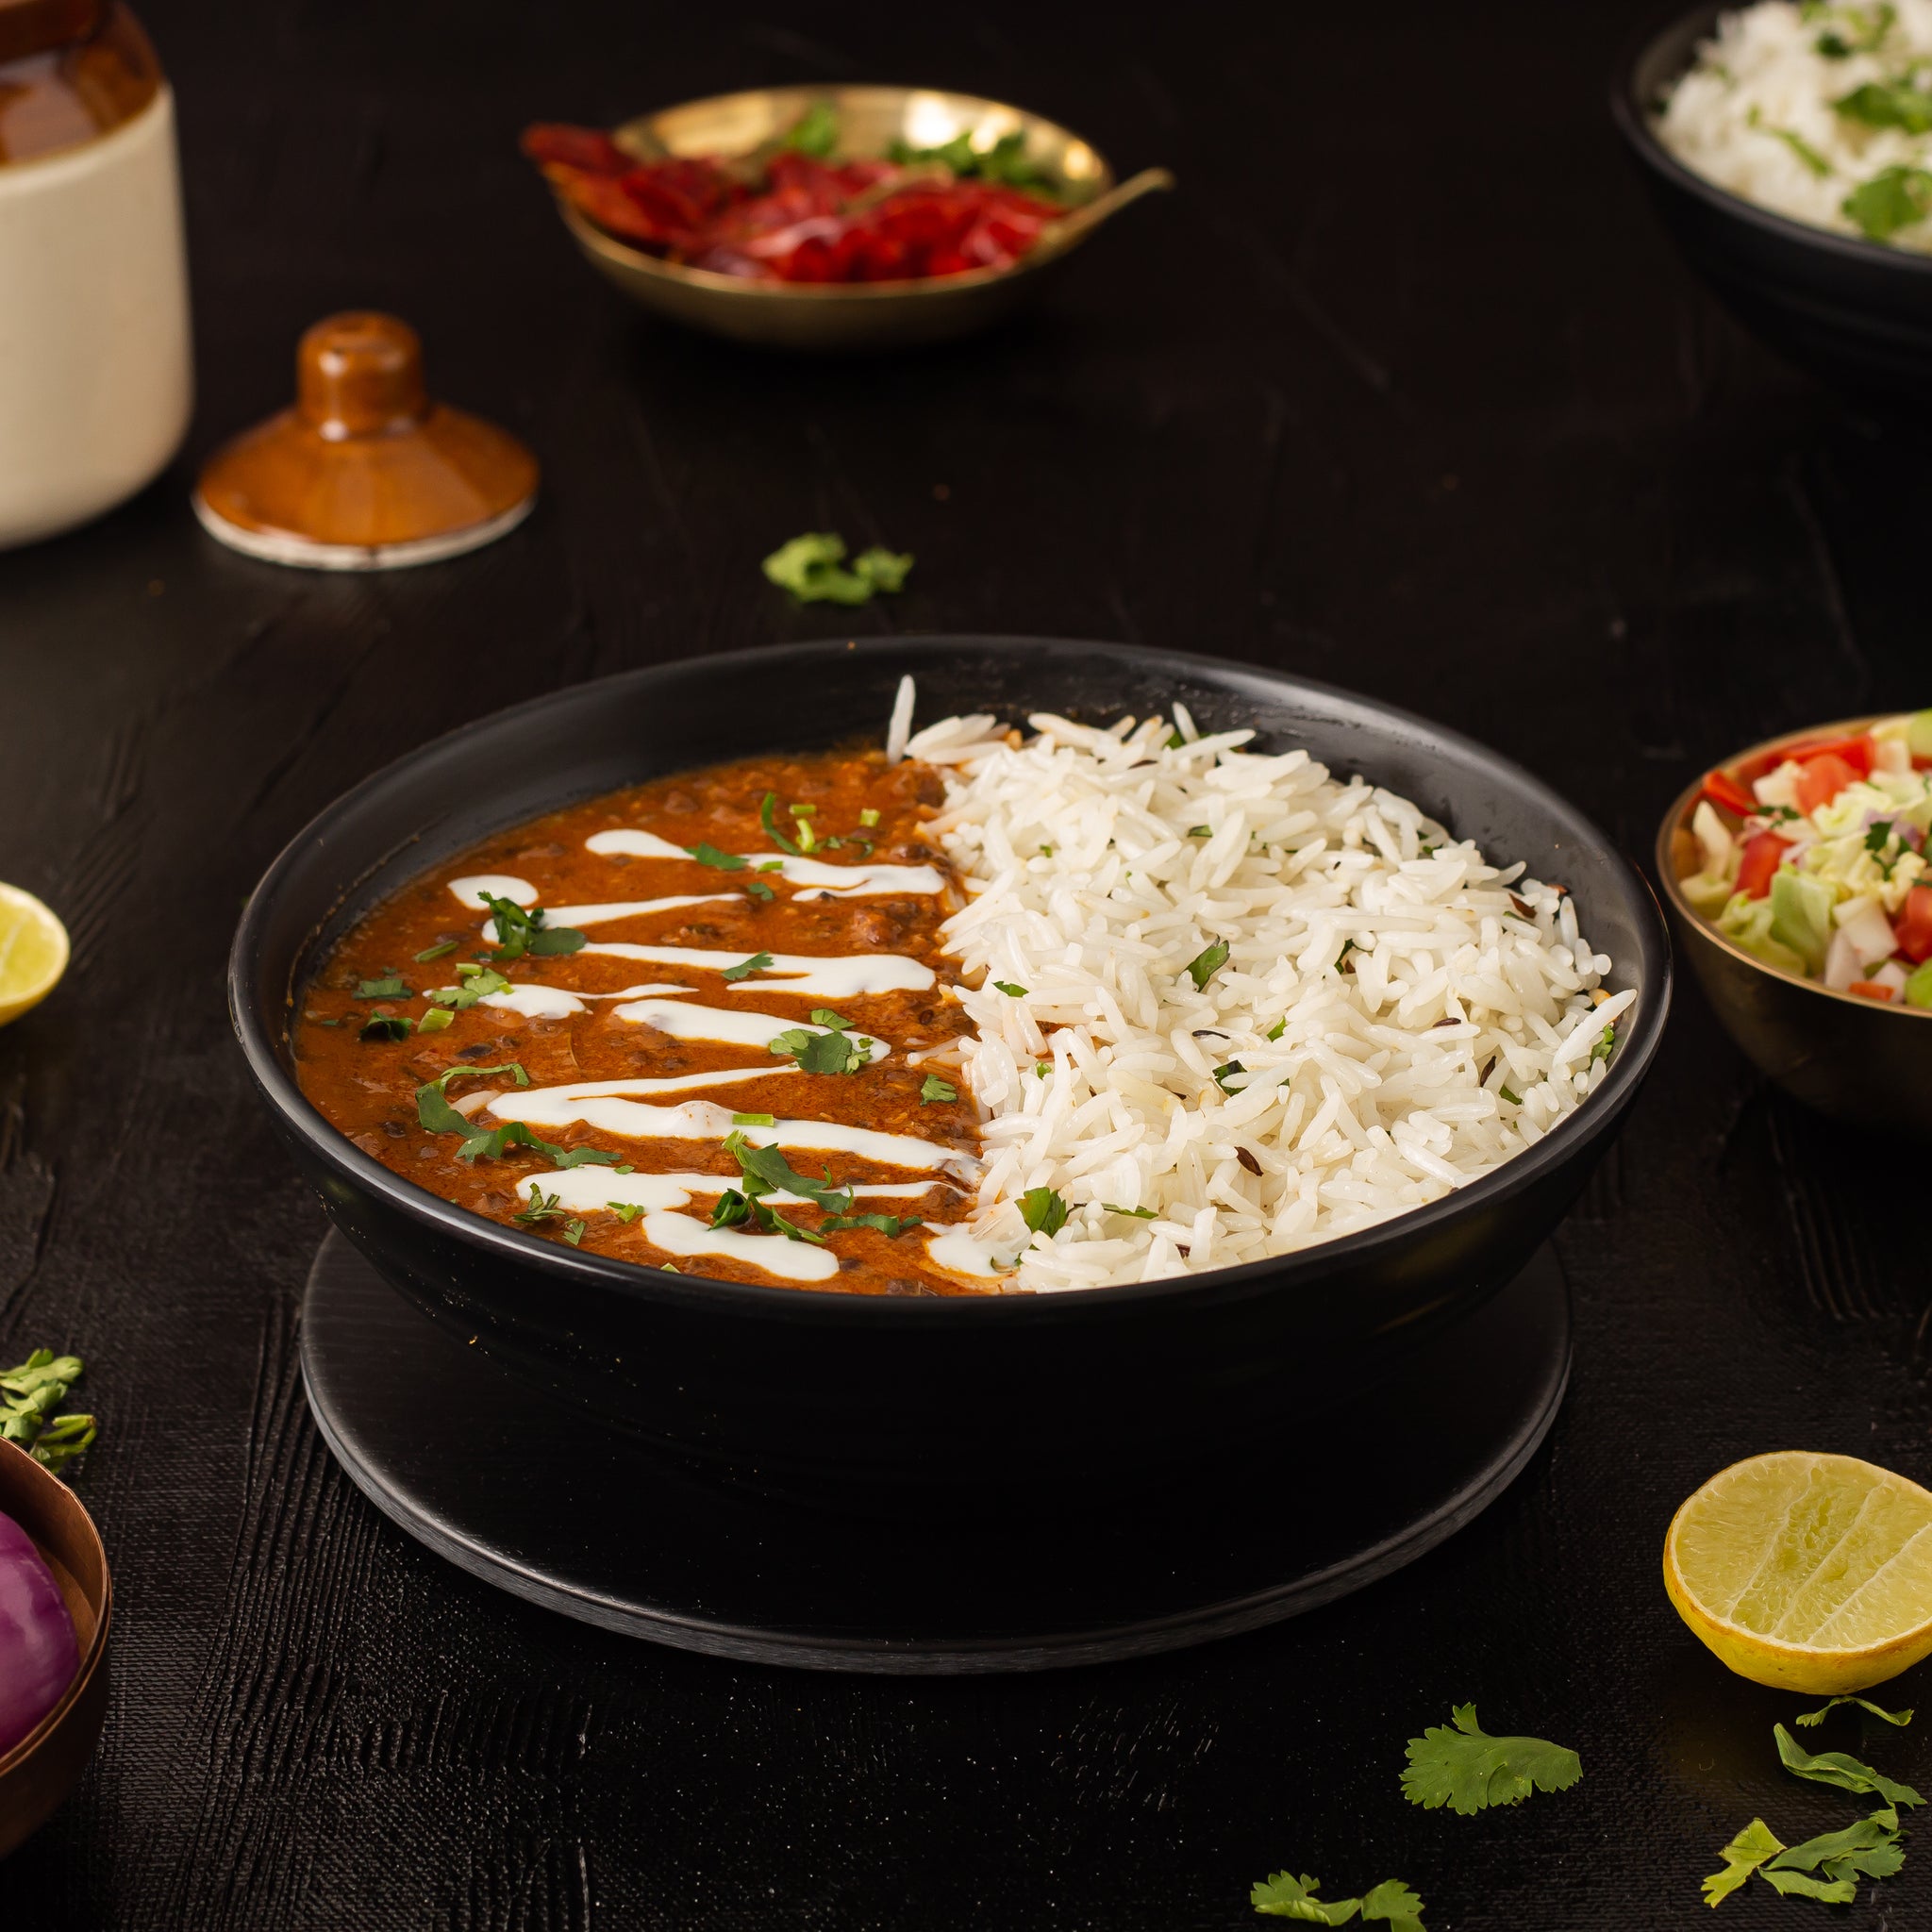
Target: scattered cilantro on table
pixel 29 1395
pixel 1809 1718
pixel 1468 1771
pixel 1285 1896
pixel 1836 1768
pixel 813 569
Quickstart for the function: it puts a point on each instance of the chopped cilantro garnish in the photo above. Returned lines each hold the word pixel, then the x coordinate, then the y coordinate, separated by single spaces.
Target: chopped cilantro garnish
pixel 434 1019
pixel 1173 741
pixel 543 1207
pixel 891 1225
pixel 1605 1046
pixel 1279 1027
pixel 821 1052
pixel 1223 1074
pixel 758 889
pixel 767 1171
pixel 768 818
pixel 1894 198
pixel 772 865
pixel 1042 1069
pixel 388 988
pixel 815 132
pixel 1043 1211
pixel 824 1016
pixel 1889 104
pixel 1205 965
pixel 386 1026
pixel 936 1089
pixel 478 981
pixel 1514 1100
pixel 429 953
pixel 433 1109
pixel 753 1120
pixel 745 968
pixel 1139 1213
pixel 519 932
pixel 627 1211
pixel 869 817
pixel 1200 831
pixel 813 568
pixel 1011 991
pixel 1468 1770
pixel 720 862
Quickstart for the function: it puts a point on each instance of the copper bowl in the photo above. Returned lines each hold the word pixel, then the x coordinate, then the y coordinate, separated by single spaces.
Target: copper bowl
pixel 44 1767
pixel 855 315
pixel 1857 1059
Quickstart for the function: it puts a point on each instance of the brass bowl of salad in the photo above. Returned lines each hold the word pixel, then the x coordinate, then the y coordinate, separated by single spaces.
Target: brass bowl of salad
pixel 1799 879
pixel 831 218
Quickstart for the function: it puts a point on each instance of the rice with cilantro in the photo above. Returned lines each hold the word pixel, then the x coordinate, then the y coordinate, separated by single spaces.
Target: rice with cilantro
pixel 1228 1006
pixel 1821 114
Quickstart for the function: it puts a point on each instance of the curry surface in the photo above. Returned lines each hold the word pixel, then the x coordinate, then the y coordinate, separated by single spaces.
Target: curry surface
pixel 367 1087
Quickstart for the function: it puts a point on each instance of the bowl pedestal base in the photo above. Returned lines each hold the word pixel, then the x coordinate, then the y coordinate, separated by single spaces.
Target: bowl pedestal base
pixel 450 1444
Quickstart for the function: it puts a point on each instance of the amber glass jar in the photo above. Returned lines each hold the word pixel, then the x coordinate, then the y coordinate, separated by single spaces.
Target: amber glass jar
pixel 95 381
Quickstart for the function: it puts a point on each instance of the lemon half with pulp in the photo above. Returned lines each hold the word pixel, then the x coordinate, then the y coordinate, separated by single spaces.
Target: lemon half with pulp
pixel 33 952
pixel 1806 1572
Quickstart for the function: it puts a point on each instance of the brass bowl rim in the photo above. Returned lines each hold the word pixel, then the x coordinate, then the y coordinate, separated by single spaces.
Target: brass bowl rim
pixel 16 1759
pixel 589 236
pixel 1678 817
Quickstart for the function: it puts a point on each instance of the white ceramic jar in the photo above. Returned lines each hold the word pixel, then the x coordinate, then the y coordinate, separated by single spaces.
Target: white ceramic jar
pixel 96 380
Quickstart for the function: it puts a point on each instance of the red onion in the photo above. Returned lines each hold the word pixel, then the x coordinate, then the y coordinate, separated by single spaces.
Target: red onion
pixel 39 1657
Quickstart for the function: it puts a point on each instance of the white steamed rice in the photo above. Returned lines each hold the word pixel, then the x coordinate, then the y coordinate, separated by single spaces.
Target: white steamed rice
pixel 1754 113
pixel 1407 983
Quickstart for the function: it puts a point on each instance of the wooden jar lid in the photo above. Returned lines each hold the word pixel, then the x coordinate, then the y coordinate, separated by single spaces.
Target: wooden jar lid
pixel 365 471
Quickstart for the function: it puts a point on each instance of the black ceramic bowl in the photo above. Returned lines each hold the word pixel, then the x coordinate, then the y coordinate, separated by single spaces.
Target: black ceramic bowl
pixel 832 1393
pixel 1852 312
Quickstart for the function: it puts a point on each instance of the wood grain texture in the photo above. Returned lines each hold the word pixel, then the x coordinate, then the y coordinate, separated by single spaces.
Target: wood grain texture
pixel 1402 390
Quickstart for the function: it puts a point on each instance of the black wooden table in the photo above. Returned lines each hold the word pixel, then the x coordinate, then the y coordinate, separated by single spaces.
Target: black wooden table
pixel 1403 391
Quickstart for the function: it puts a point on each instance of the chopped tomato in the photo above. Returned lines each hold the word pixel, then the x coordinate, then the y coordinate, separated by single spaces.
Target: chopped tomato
pixel 1722 789
pixel 1869 988
pixel 1763 855
pixel 1860 752
pixel 1914 925
pixel 1822 777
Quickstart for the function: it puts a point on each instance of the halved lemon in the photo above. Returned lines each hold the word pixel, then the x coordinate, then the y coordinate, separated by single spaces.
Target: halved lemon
pixel 33 952
pixel 1806 1572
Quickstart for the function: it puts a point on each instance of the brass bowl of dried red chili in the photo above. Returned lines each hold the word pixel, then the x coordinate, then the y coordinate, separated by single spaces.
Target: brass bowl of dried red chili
pixel 1803 917
pixel 831 218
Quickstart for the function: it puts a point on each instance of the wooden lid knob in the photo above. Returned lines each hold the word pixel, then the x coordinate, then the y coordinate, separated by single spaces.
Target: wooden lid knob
pixel 361 373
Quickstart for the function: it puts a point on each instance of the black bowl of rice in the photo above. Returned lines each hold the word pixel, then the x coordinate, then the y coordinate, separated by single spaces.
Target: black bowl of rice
pixel 1788 152
pixel 1338 1009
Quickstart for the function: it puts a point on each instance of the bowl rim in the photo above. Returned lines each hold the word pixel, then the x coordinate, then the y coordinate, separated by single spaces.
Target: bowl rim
pixel 13 1761
pixel 1651 971
pixel 1633 120
pixel 589 236
pixel 1678 818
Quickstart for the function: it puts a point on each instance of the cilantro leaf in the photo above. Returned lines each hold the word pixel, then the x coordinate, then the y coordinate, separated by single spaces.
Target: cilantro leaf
pixel 1742 1856
pixel 768 1166
pixel 476 984
pixel 1468 1770
pixel 1889 104
pixel 1834 1892
pixel 519 931
pixel 730 1208
pixel 542 1206
pixel 1605 1047
pixel 1223 1074
pixel 1900 1718
pixel 1869 1849
pixel 1205 965
pixel 1043 1211
pixel 891 1225
pixel 884 570
pixel 627 1211
pixel 936 1089
pixel 1894 198
pixel 386 1026
pixel 768 818
pixel 1011 991
pixel 1139 1213
pixel 758 962
pixel 756 888
pixel 432 1105
pixel 720 862
pixel 429 953
pixel 388 988
pixel 821 1052
pixel 1285 1896
pixel 1835 1768
pixel 815 131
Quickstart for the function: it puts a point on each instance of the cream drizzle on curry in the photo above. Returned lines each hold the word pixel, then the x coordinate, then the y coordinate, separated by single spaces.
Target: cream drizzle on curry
pixel 764 951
